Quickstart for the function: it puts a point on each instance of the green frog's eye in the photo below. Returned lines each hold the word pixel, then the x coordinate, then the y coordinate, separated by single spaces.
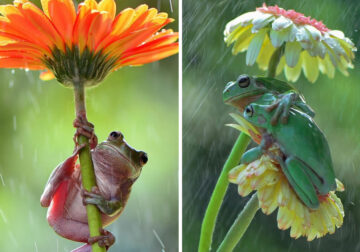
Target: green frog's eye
pixel 116 135
pixel 243 81
pixel 249 111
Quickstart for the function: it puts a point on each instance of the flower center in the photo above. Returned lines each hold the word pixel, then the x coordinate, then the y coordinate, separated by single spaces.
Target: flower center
pixel 296 17
pixel 71 67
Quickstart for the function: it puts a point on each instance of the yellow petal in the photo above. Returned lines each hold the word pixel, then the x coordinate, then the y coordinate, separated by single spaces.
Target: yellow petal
pixel 108 6
pixel 293 73
pixel 310 66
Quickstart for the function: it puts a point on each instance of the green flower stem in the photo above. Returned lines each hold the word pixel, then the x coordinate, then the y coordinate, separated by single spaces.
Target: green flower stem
pixel 87 170
pixel 217 197
pixel 274 61
pixel 240 225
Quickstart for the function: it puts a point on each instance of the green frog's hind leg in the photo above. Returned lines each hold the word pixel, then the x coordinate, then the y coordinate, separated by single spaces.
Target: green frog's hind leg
pixel 299 180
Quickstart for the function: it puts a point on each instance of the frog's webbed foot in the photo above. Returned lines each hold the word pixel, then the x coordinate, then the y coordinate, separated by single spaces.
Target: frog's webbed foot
pixel 85 128
pixel 106 239
pixel 94 197
pixel 282 106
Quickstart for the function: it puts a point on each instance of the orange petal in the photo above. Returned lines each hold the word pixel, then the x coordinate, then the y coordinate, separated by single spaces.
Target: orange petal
pixel 62 14
pixel 21 27
pixel 108 6
pixel 150 56
pixel 42 22
pixel 162 41
pixel 100 27
pixel 20 63
pixel 47 75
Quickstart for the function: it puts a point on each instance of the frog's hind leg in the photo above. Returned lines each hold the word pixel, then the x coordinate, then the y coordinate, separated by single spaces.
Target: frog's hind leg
pixel 295 172
pixel 59 220
pixel 61 173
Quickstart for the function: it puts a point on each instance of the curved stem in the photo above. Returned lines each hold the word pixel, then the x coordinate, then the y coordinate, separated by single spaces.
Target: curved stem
pixel 240 225
pixel 217 197
pixel 87 170
pixel 274 61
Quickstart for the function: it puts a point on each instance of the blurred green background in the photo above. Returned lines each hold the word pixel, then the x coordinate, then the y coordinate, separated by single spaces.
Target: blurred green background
pixel 207 66
pixel 36 134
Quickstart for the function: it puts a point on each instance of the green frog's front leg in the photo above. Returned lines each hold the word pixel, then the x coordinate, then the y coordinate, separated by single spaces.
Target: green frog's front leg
pixel 283 105
pixel 255 153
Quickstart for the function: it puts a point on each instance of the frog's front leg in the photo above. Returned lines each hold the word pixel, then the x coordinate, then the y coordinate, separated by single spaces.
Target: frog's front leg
pixel 85 128
pixel 255 153
pixel 108 207
pixel 283 105
pixel 62 172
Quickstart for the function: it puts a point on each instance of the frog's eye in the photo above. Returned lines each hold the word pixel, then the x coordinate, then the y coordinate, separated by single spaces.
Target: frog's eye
pixel 143 158
pixel 116 135
pixel 249 111
pixel 243 81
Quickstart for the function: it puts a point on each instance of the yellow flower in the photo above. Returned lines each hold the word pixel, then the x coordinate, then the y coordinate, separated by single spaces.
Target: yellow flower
pixel 305 43
pixel 274 191
pixel 82 44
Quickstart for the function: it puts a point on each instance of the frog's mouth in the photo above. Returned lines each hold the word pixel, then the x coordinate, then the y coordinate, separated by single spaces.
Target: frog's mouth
pixel 134 167
pixel 244 99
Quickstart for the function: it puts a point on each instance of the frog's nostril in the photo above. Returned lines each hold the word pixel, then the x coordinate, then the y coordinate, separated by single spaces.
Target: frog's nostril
pixel 143 158
pixel 114 134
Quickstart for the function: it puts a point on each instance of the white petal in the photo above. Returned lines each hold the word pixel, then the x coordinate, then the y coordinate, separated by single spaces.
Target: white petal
pixel 261 21
pixel 242 20
pixel 315 33
pixel 281 23
pixel 310 66
pixel 337 33
pixel 292 53
pixel 302 35
pixel 255 46
pixel 279 37
pixel 318 49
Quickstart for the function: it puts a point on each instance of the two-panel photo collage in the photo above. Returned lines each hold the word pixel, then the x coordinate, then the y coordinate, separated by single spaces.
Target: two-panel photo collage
pixel 179 126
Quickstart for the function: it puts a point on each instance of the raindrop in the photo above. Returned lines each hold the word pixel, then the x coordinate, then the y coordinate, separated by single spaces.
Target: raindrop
pixel 171 7
pixel 2 180
pixel 160 241
pixel 14 122
pixel 13 71
pixel 36 248
pixel 3 216
pixel 11 83
pixel 27 69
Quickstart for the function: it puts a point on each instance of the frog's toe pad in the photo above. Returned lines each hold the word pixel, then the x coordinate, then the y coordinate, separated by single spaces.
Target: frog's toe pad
pixel 106 239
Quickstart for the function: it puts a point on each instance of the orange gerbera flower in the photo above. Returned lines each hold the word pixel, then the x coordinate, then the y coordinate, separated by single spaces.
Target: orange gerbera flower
pixel 84 44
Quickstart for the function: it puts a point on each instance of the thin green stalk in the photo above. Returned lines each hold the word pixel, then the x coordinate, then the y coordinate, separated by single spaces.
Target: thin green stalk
pixel 217 197
pixel 240 225
pixel 87 170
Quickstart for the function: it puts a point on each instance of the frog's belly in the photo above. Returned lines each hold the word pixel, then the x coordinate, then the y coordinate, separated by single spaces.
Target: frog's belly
pixel 74 208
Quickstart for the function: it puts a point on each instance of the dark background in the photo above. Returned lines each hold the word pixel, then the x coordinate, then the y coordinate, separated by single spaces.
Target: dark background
pixel 207 66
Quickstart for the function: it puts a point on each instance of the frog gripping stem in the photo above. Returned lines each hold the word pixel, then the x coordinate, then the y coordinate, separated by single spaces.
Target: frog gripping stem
pixel 87 169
